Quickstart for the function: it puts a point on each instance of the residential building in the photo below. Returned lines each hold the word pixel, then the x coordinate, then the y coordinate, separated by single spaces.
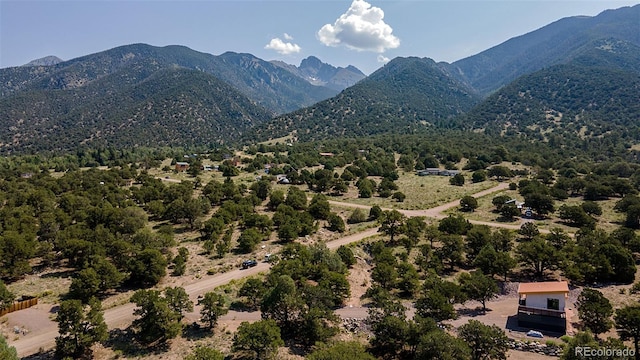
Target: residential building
pixel 542 305
pixel 182 166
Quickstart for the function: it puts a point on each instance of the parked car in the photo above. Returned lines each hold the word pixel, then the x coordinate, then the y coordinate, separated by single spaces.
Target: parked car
pixel 249 263
pixel 535 334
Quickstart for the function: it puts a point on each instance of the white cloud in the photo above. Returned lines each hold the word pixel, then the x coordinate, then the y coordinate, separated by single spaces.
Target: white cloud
pixel 383 59
pixel 361 28
pixel 282 47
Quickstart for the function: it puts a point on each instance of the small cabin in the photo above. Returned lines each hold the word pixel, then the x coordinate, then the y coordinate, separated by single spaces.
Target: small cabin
pixel 182 166
pixel 541 305
pixel 518 204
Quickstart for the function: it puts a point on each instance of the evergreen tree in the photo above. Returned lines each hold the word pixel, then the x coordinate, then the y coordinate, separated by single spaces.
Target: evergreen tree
pixel 205 353
pixel 595 311
pixel 391 223
pixel 486 342
pixel 79 328
pixel 6 296
pixel 178 300
pixel 478 286
pixel 213 307
pixel 157 321
pixel 468 203
pixel 437 344
pixel 341 351
pixel 627 320
pixel 147 267
pixel 7 352
pixel 260 339
pixel 253 289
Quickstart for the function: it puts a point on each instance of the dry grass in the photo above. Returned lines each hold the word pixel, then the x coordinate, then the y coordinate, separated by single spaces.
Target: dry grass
pixel 359 277
pixel 422 192
pixel 485 210
pixel 608 221
pixel 48 286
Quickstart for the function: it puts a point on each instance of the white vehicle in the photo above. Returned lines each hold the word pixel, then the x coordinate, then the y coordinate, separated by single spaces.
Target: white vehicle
pixel 536 334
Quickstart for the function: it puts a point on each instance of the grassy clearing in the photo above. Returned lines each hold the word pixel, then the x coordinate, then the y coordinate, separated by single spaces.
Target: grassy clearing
pixel 285 139
pixel 422 192
pixel 48 287
pixel 608 221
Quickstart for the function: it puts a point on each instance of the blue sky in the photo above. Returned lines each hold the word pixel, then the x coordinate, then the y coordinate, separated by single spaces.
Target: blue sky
pixel 352 32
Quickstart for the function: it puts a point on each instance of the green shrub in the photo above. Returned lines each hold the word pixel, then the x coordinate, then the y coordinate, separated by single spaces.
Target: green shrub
pixel 357 216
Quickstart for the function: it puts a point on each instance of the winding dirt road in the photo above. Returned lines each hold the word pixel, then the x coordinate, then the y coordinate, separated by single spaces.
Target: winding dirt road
pixel 437 212
pixel 122 316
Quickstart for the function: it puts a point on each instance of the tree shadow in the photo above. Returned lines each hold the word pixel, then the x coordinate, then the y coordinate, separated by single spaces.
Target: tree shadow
pixel 504 219
pixel 64 274
pixel 41 355
pixel 241 306
pixel 194 331
pixel 160 224
pixel 529 275
pixel 183 229
pixel 296 348
pixel 477 311
pixel 123 341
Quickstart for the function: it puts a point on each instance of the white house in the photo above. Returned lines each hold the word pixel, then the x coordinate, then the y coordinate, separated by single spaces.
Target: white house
pixel 542 305
pixel 517 203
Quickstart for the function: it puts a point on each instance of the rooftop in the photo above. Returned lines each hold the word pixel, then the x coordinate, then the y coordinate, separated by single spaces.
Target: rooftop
pixel 543 287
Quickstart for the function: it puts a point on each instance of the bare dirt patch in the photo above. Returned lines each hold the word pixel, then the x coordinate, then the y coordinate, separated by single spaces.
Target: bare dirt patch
pixel 359 278
pixel 28 322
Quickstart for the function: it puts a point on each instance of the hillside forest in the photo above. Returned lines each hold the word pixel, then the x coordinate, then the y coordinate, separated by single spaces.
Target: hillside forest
pixel 106 223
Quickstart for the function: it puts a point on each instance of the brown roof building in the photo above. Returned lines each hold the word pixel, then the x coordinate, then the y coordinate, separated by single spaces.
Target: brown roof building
pixel 542 305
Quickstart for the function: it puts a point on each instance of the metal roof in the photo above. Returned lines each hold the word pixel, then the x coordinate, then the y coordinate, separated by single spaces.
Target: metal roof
pixel 543 287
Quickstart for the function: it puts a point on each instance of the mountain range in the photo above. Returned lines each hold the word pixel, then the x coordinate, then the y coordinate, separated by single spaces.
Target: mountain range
pixel 571 74
pixel 556 43
pixel 318 73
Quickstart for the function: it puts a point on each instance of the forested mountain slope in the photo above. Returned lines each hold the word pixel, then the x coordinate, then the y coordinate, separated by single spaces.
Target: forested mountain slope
pixel 556 43
pixel 404 95
pixel 587 98
pixel 265 83
pixel 168 107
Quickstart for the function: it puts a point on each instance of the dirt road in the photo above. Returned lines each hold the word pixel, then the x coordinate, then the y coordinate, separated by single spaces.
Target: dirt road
pixel 437 212
pixel 121 316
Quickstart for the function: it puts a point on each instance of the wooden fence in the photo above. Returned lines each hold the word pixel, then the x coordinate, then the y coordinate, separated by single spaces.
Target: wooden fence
pixel 19 305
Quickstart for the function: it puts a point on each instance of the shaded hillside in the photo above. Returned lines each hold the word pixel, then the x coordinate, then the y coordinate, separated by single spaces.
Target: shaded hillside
pixel 562 103
pixel 266 84
pixel 556 43
pixel 271 86
pixel 405 94
pixel 171 106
